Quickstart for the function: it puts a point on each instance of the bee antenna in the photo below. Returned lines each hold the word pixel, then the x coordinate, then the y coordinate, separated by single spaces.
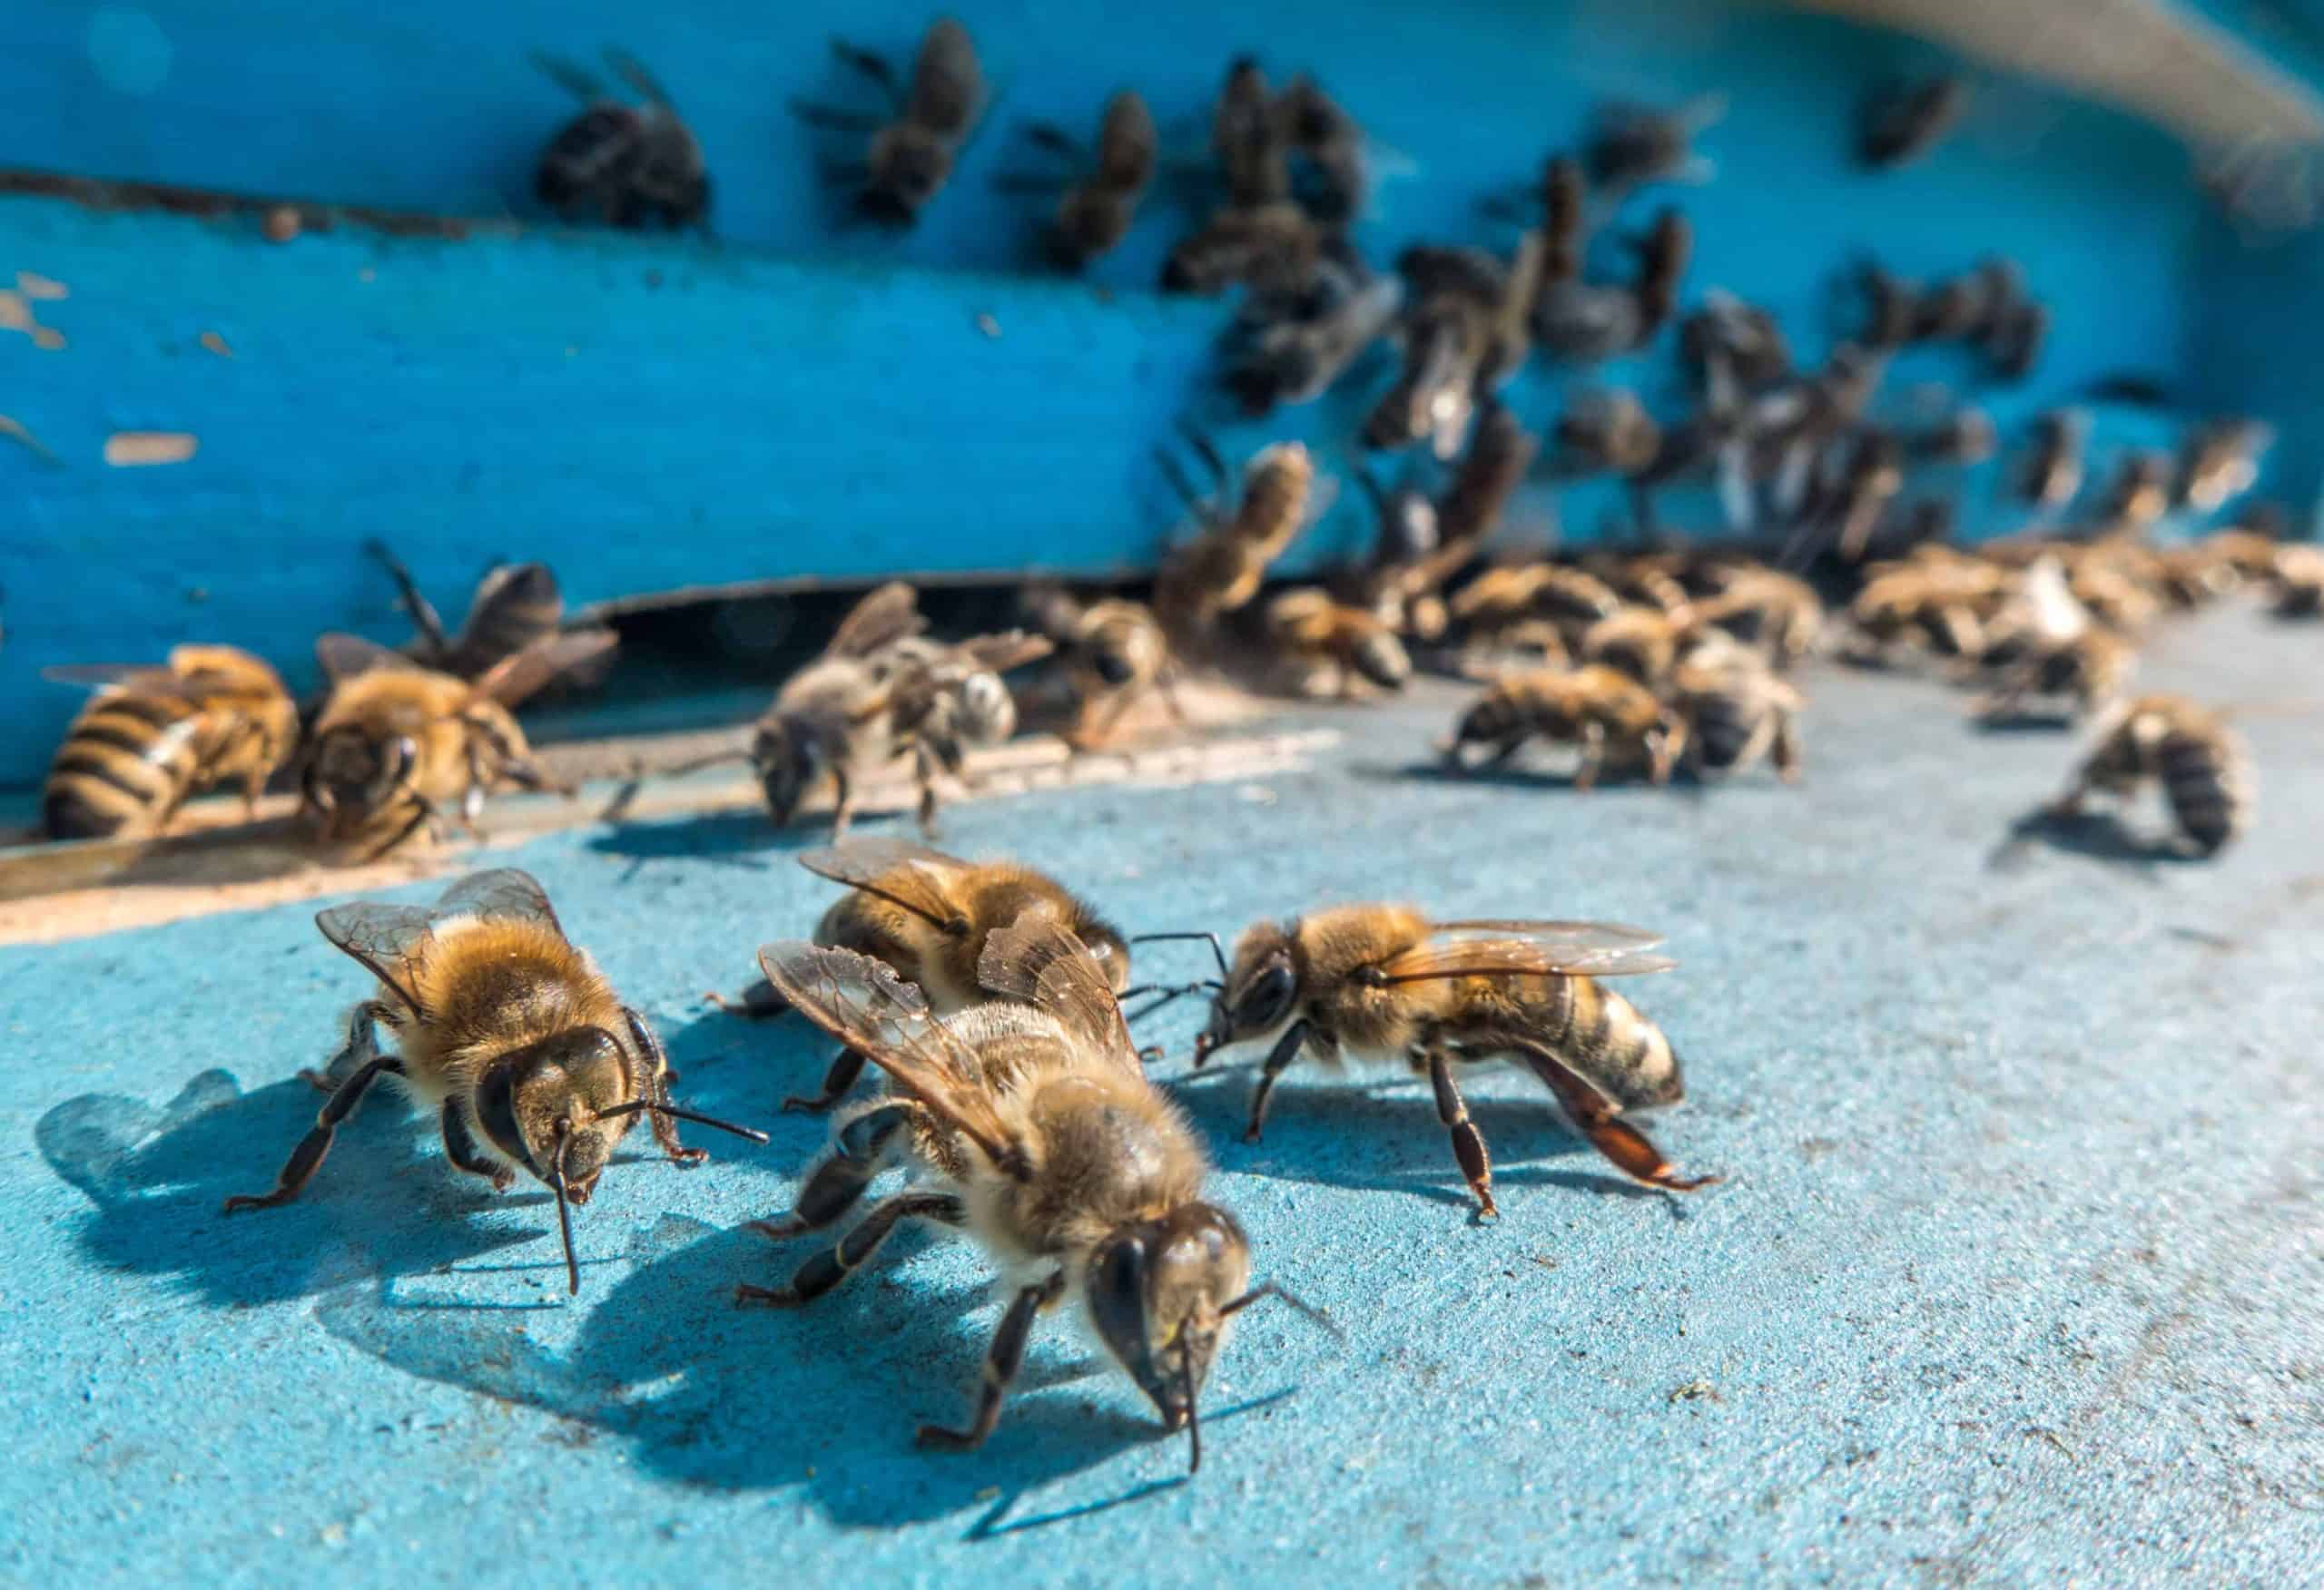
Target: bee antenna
pixel 1314 1315
pixel 674 1113
pixel 564 1209
pixel 1217 951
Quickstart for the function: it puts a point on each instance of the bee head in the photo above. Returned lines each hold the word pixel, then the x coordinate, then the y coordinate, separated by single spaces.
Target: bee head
pixel 908 166
pixel 1160 1296
pixel 353 772
pixel 988 712
pixel 1261 992
pixel 788 760
pixel 539 1106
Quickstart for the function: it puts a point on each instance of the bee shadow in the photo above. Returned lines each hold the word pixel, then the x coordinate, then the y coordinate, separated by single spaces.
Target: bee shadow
pixel 2101 836
pixel 157 1176
pixel 739 1399
pixel 747 838
pixel 2023 721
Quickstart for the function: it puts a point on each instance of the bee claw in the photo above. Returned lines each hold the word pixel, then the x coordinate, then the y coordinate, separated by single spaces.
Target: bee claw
pixel 777 1230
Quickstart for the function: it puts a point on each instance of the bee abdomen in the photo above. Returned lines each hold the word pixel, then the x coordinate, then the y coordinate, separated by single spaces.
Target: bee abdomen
pixel 1722 726
pixel 114 769
pixel 2205 783
pixel 1617 1047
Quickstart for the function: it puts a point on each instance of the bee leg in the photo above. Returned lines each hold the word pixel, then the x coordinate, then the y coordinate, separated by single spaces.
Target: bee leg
pixel 833 120
pixel 1279 1058
pixel 460 1147
pixel 1002 1360
pixel 844 803
pixel 837 1185
pixel 1593 757
pixel 758 1002
pixel 423 812
pixel 307 1157
pixel 924 762
pixel 1598 1119
pixel 1095 728
pixel 1664 742
pixel 1468 1142
pixel 363 1043
pixel 655 1062
pixel 846 1068
pixel 421 611
pixel 834 1264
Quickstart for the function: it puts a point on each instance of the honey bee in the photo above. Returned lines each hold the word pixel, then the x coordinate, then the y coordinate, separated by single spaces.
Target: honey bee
pixel 1942 605
pixel 1246 138
pixel 1891 308
pixel 2220 461
pixel 1034 1129
pixel 1329 179
pixel 1663 254
pixel 1423 545
pixel 1495 614
pixel 1094 212
pixel 928 917
pixel 2052 471
pixel 2298 578
pixel 1464 329
pixel 152 737
pixel 1330 641
pixel 1744 338
pixel 1777 612
pixel 1629 146
pixel 1272 248
pixel 1589 322
pixel 511 1034
pixel 1113 650
pixel 1222 569
pixel 2013 337
pixel 516 605
pixel 1567 600
pixel 2090 667
pixel 912 153
pixel 1904 121
pixel 880 691
pixel 396 743
pixel 2205 775
pixel 1646 580
pixel 1642 643
pixel 2194 575
pixel 1607 714
pixel 1289 347
pixel 1381 984
pixel 1737 710
pixel 629 165
pixel 2140 492
pixel 1964 436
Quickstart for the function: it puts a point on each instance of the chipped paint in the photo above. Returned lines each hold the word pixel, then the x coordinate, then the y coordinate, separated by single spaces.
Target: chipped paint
pixel 34 285
pixel 216 344
pixel 137 449
pixel 14 431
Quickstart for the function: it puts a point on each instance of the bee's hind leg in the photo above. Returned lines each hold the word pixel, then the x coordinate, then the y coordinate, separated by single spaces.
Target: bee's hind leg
pixel 1600 1119
pixel 307 1157
pixel 834 1264
pixel 1468 1142
pixel 838 1184
pixel 847 1066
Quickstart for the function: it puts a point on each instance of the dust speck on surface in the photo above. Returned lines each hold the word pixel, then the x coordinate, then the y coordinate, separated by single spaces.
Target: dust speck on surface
pixel 216 344
pixel 1695 1391
pixel 989 325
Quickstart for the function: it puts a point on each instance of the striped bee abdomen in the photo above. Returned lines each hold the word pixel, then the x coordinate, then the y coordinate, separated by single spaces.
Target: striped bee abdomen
pixel 2204 780
pixel 1610 1042
pixel 125 766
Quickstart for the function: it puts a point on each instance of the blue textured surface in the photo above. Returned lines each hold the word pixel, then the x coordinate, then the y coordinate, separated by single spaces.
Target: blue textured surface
pixel 2016 1277
pixel 746 418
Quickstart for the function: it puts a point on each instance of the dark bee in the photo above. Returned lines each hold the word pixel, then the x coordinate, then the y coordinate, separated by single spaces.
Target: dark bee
pixel 628 165
pixel 2202 765
pixel 1966 436
pixel 1629 146
pixel 1271 248
pixel 1423 545
pixel 2140 491
pixel 1246 138
pixel 1904 121
pixel 515 606
pixel 2218 461
pixel 2051 473
pixel 1289 347
pixel 1463 332
pixel 1662 255
pixel 1329 179
pixel 1589 322
pixel 912 154
pixel 1094 212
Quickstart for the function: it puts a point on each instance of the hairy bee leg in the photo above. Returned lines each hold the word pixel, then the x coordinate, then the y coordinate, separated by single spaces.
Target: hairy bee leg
pixel 1002 1360
pixel 843 803
pixel 1598 1119
pixel 658 1074
pixel 361 1046
pixel 838 1184
pixel 924 765
pixel 1468 1142
pixel 307 1157
pixel 460 1147
pixel 1279 1058
pixel 834 1264
pixel 847 1068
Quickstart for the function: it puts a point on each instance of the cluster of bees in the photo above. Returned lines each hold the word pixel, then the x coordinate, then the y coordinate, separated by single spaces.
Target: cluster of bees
pixel 992 998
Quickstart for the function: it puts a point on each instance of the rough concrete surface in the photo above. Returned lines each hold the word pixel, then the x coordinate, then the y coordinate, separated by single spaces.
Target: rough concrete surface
pixel 2014 1278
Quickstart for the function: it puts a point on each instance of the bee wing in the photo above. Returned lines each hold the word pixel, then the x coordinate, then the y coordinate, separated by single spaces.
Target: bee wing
pixel 528 585
pixel 142 677
pixel 343 656
pixel 505 891
pixel 864 1004
pixel 884 617
pixel 1000 653
pixel 386 941
pixel 905 875
pixel 1539 949
pixel 1037 959
pixel 513 678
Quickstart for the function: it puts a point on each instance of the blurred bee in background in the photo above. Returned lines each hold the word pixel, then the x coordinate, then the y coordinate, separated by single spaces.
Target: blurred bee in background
pixel 1033 1128
pixel 2089 666
pixel 1541 604
pixel 948 697
pixel 1332 645
pixel 1645 579
pixel 1743 341
pixel 2205 775
pixel 2298 581
pixel 1222 568
pixel 2013 338
pixel 628 165
pixel 1289 347
pixel 1902 121
pixel 1586 322
pixel 1422 544
pixel 929 916
pixel 1640 643
pixel 2050 475
pixel 1095 211
pixel 1381 984
pixel 2218 461
pixel 397 744
pixel 1463 332
pixel 508 1032
pixel 1113 650
pixel 1737 710
pixel 153 736
pixel 912 154
pixel 2139 494
pixel 1964 436
pixel 1629 146
pixel 1777 613
pixel 1868 475
pixel 516 605
pixel 1609 715
pixel 1940 605
pixel 1246 138
pixel 1271 248
pixel 1891 308
pixel 1328 174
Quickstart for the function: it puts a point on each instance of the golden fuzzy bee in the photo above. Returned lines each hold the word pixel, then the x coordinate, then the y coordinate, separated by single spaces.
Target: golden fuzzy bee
pixel 396 744
pixel 1737 710
pixel 1777 612
pixel 1568 600
pixel 928 915
pixel 880 692
pixel 1608 714
pixel 1221 570
pixel 1381 983
pixel 1113 650
pixel 911 155
pixel 2205 775
pixel 151 737
pixel 1642 643
pixel 1942 605
pixel 1334 645
pixel 1647 580
pixel 1033 1127
pixel 507 1031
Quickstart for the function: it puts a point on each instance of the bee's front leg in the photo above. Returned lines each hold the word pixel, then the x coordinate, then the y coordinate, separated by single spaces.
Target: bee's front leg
pixel 460 1147
pixel 1001 1361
